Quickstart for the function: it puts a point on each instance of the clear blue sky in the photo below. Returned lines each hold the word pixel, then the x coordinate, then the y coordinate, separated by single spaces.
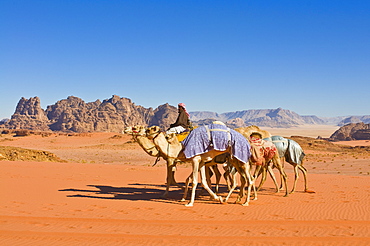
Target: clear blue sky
pixel 309 56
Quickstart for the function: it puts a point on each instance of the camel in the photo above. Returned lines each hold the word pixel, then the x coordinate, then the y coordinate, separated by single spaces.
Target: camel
pixel 275 160
pixel 139 135
pixel 293 154
pixel 174 149
pixel 264 153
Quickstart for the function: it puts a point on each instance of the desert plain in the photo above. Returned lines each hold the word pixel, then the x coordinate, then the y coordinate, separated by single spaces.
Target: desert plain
pixel 104 190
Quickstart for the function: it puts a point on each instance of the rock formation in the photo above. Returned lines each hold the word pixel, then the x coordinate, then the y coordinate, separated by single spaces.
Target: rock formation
pixel 353 131
pixel 29 115
pixel 75 115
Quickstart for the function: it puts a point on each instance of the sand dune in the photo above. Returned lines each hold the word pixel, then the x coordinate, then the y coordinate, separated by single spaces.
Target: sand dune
pixel 117 201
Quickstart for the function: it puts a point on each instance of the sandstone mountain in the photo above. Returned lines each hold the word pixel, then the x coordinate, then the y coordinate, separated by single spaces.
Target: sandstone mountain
pixel 75 115
pixel 29 115
pixel 353 131
pixel 112 115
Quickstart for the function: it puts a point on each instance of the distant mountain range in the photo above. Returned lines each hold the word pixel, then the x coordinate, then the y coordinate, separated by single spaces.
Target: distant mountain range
pixel 273 118
pixel 113 114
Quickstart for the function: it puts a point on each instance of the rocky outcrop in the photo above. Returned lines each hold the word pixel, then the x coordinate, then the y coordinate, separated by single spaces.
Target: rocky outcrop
pixel 75 115
pixel 28 115
pixel 353 131
pixel 164 115
pixel 111 115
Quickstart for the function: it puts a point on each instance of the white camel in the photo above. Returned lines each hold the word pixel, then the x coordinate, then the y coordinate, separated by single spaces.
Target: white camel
pixel 174 149
pixel 139 135
pixel 293 153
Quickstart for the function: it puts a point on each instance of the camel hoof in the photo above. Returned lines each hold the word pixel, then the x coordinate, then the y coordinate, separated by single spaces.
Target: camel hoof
pixel 189 205
pixel 245 204
pixel 237 202
pixel 286 194
pixel 183 200
pixel 220 200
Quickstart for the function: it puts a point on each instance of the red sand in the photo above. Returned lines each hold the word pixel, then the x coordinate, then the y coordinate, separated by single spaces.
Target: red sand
pixel 119 204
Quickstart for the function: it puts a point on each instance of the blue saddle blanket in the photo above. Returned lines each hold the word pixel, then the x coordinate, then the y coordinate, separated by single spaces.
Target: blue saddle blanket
pixel 218 137
pixel 288 148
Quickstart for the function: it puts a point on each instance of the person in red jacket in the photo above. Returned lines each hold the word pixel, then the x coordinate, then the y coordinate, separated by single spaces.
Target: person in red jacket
pixel 182 122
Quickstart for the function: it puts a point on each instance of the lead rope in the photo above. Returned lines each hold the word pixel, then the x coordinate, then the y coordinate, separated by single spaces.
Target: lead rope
pixel 156 160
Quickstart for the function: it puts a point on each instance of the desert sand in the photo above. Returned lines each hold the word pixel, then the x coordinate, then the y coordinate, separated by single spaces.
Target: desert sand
pixel 108 193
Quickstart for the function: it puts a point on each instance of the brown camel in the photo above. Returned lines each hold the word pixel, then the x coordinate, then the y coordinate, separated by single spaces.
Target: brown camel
pixel 266 167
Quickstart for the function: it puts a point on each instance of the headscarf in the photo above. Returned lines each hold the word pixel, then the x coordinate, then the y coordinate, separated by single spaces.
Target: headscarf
pixel 184 107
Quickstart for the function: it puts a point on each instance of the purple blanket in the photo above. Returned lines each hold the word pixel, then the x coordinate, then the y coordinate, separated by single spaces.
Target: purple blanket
pixel 220 138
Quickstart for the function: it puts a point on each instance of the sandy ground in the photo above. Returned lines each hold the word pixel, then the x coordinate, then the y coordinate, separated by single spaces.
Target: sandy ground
pixel 108 193
pixel 313 131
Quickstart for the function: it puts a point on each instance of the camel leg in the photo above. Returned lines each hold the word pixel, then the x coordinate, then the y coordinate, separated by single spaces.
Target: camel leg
pixel 281 160
pixel 172 169
pixel 226 177
pixel 242 179
pixel 244 172
pixel 272 175
pixel 257 171
pixel 196 160
pixel 170 180
pixel 232 188
pixel 304 171
pixel 205 184
pixel 296 176
pixel 187 182
pixel 229 176
pixel 250 184
pixel 283 176
pixel 218 176
pixel 263 179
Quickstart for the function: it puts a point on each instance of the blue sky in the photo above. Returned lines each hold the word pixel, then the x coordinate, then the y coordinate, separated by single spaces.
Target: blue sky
pixel 312 57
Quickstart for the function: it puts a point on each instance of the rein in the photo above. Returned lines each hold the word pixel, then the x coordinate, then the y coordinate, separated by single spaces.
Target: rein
pixel 156 134
pixel 159 153
pixel 147 149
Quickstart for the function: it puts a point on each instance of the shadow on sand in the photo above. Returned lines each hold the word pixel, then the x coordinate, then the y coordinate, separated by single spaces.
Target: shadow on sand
pixel 133 192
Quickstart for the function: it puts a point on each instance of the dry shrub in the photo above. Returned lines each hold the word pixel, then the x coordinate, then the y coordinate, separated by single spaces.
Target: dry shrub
pixel 116 137
pixel 22 133
pixel 21 154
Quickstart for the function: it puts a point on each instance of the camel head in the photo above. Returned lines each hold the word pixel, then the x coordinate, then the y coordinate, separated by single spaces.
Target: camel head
pixel 137 130
pixel 152 131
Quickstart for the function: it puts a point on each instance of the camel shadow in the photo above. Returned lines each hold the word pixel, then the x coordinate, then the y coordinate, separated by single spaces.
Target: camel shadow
pixel 133 192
